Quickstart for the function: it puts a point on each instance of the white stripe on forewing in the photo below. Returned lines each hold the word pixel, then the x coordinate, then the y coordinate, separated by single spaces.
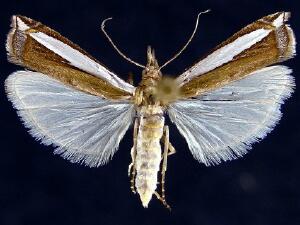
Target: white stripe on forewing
pixel 80 60
pixel 21 25
pixel 279 20
pixel 223 55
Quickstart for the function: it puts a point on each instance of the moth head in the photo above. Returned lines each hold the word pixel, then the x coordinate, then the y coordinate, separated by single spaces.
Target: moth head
pixel 151 60
pixel 152 69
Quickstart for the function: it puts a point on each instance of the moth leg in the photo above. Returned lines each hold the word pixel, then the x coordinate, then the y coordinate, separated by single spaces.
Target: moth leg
pixel 131 170
pixel 168 150
pixel 162 200
pixel 171 148
pixel 131 167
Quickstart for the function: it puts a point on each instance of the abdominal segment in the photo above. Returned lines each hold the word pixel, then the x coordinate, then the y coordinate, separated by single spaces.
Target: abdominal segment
pixel 148 155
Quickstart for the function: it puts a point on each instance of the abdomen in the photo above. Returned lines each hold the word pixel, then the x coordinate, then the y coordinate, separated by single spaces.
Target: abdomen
pixel 148 156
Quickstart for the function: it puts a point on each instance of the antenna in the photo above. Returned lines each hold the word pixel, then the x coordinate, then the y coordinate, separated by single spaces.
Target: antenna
pixel 115 47
pixel 188 42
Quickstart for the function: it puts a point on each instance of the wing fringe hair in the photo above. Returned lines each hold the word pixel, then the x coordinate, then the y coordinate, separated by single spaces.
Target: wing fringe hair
pixel 85 129
pixel 223 124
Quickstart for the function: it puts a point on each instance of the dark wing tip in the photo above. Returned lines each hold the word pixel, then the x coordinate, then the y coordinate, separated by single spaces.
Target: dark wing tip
pixel 16 39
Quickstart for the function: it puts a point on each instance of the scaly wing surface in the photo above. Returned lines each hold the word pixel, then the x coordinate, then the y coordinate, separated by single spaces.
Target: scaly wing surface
pixel 39 48
pixel 72 101
pixel 84 128
pixel 221 125
pixel 267 41
pixel 228 100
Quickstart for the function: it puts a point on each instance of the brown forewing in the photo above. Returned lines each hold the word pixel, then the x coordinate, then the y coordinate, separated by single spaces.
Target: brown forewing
pixel 25 51
pixel 274 48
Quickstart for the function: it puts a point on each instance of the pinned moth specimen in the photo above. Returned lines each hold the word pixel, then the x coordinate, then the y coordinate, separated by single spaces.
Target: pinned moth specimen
pixel 228 100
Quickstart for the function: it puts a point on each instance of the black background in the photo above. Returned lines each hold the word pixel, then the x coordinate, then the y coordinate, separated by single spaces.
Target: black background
pixel 37 187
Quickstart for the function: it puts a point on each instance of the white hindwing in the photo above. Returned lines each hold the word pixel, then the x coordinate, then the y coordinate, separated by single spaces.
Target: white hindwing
pixel 85 128
pixel 222 124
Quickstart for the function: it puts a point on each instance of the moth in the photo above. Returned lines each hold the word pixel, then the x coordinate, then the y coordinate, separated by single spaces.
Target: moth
pixel 226 101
